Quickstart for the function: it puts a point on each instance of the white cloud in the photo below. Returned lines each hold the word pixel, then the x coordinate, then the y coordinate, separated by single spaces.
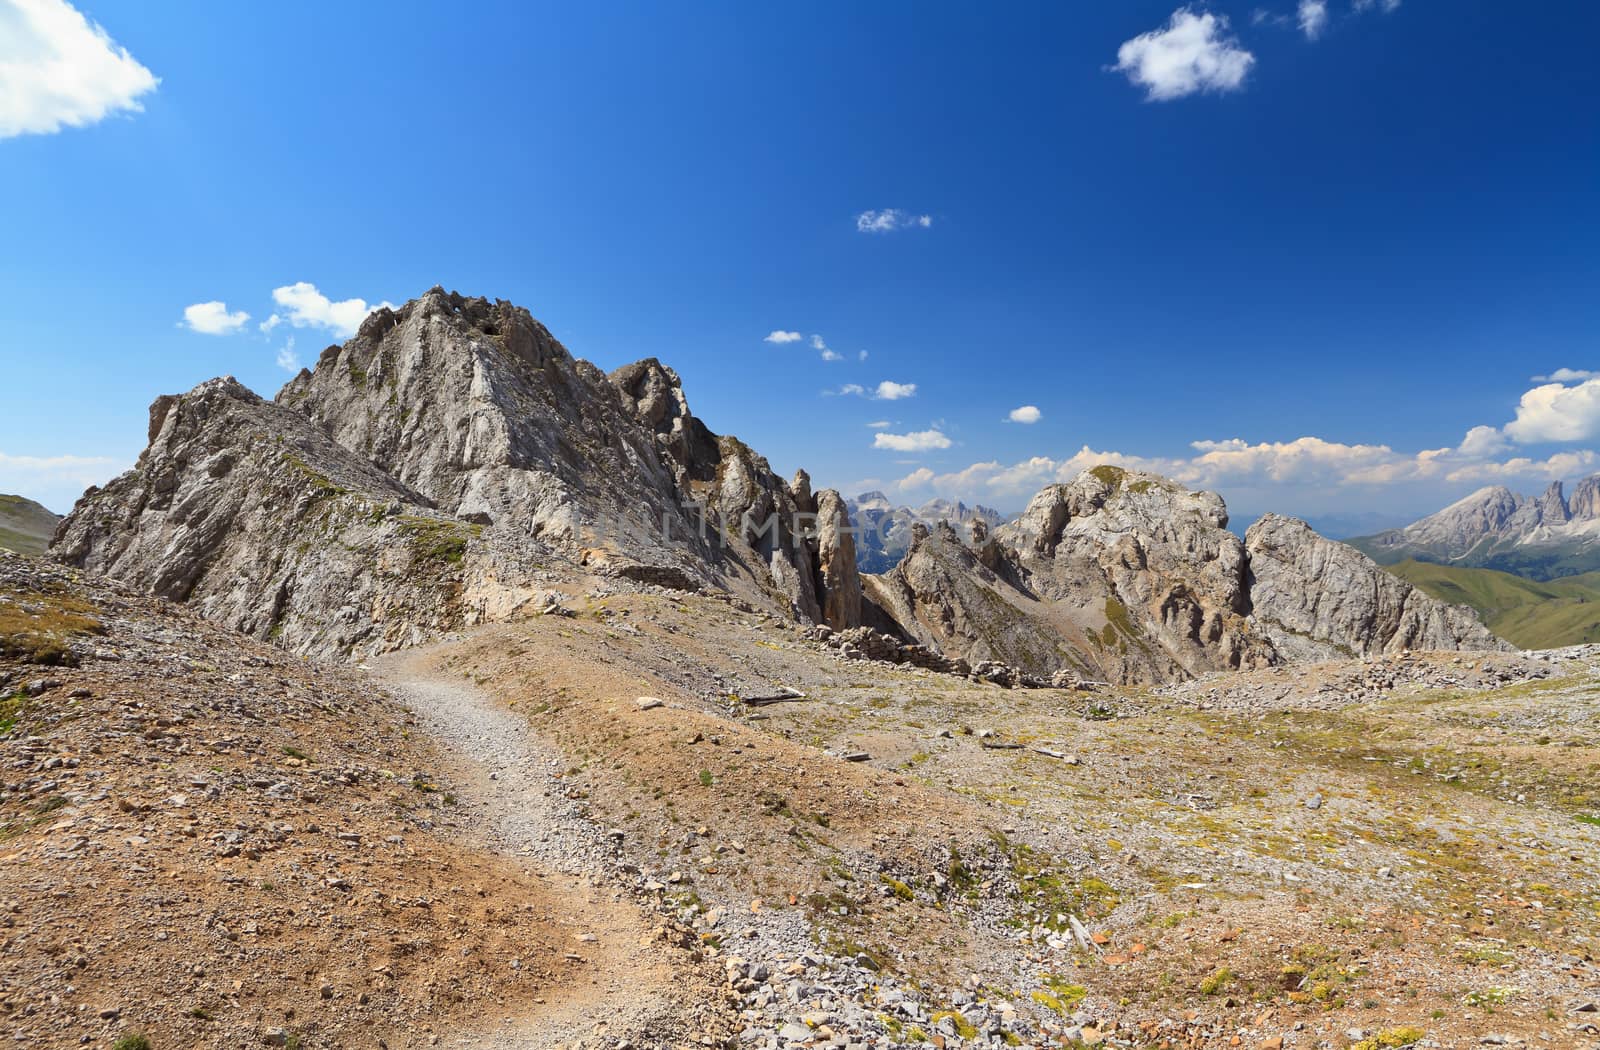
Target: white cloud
pixel 1312 473
pixel 821 346
pixel 288 360
pixel 309 308
pixel 880 424
pixel 887 220
pixel 888 390
pixel 1482 442
pixel 1311 466
pixel 916 441
pixel 213 318
pixel 1193 53
pixel 55 481
pixel 1551 468
pixel 1312 17
pixel 1555 412
pixel 916 479
pixel 780 337
pixel 1567 375
pixel 270 323
pixel 58 69
pixel 1025 414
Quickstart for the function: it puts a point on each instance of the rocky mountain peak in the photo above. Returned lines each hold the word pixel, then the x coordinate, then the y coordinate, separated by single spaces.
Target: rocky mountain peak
pixel 1128 576
pixel 1541 537
pixel 1113 499
pixel 1552 505
pixel 457 428
pixel 436 468
pixel 1585 501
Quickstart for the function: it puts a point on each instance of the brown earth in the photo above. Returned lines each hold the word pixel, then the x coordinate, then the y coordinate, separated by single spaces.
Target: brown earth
pixel 211 843
pixel 1403 848
pixel 1295 867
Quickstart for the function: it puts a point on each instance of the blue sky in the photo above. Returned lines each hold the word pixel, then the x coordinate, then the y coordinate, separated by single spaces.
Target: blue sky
pixel 1309 254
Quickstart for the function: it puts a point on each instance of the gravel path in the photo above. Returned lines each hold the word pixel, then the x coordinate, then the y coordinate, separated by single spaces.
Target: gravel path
pixel 625 989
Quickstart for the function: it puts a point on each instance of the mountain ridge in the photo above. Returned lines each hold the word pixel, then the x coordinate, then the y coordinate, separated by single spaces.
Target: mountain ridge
pixel 1539 537
pixel 883 528
pixel 25 526
pixel 452 462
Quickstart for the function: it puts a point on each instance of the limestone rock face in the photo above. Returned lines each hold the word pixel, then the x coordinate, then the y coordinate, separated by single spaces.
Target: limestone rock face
pixel 263 522
pixel 838 580
pixel 940 595
pixel 1128 577
pixel 1585 504
pixel 1155 561
pixel 463 425
pixel 1318 598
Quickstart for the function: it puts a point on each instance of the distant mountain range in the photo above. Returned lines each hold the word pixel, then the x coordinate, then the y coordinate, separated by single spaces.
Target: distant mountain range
pixel 25 526
pixel 1538 537
pixel 884 530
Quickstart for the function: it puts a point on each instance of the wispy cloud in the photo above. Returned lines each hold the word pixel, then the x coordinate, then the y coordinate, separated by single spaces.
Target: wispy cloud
pixel 56 481
pixel 58 69
pixel 288 360
pixel 1025 414
pixel 888 220
pixel 887 390
pixel 1312 17
pixel 1567 375
pixel 308 308
pixel 880 424
pixel 213 318
pixel 820 345
pixel 779 337
pixel 916 441
pixel 1192 53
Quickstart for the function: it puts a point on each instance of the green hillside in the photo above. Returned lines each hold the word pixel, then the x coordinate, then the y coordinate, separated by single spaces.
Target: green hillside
pixel 1529 613
pixel 25 526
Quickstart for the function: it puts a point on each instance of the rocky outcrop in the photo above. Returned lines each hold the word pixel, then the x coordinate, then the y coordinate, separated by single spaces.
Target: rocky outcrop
pixel 1317 599
pixel 942 596
pixel 837 578
pixel 469 424
pixel 1156 579
pixel 1551 508
pixel 266 525
pixel 1128 577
